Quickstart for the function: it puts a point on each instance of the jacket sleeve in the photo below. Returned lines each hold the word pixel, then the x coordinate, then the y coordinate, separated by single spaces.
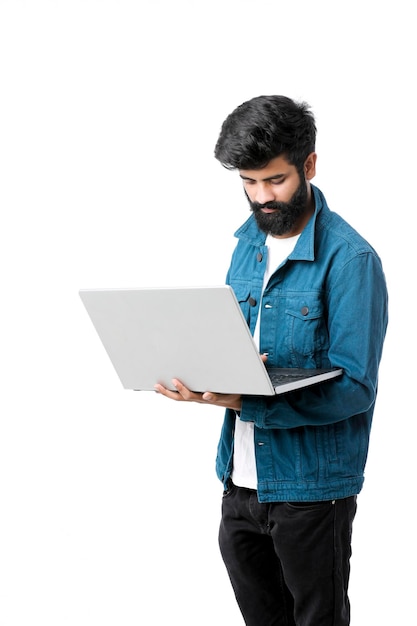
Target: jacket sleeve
pixel 357 315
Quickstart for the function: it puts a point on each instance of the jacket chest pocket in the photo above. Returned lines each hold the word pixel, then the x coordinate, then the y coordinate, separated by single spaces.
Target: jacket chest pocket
pixel 307 328
pixel 246 302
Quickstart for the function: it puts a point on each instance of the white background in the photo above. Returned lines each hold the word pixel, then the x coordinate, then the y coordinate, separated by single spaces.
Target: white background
pixel 109 112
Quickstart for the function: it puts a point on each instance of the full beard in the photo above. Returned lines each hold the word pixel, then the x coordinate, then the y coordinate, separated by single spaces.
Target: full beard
pixel 286 214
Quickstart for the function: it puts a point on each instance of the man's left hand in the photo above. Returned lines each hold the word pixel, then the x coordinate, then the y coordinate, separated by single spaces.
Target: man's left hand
pixel 182 394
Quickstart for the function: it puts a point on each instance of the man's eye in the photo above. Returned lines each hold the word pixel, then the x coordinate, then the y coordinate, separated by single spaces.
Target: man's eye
pixel 277 182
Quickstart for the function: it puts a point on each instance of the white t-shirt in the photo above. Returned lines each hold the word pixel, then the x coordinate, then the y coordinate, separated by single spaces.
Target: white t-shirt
pixel 244 465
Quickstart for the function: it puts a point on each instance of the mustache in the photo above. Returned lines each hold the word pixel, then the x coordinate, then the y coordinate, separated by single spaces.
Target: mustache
pixel 257 206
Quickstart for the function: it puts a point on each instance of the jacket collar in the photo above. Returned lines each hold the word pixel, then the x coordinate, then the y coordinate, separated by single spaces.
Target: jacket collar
pixel 304 249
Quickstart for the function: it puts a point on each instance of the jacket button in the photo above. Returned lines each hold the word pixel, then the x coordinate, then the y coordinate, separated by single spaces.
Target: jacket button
pixel 304 310
pixel 259 256
pixel 252 301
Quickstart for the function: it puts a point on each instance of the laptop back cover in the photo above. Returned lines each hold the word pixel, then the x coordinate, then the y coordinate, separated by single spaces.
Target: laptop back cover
pixel 195 334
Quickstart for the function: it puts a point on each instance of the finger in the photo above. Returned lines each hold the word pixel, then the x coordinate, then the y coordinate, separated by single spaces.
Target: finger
pixel 231 401
pixel 185 392
pixel 182 393
pixel 173 395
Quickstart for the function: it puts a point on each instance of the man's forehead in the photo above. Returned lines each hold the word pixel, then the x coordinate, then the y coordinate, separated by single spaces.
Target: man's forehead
pixel 275 169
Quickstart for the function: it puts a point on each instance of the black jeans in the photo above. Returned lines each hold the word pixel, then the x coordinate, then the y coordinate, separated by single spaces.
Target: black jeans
pixel 288 562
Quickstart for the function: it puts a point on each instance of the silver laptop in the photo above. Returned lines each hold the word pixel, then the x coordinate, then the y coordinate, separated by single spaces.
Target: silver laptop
pixel 195 334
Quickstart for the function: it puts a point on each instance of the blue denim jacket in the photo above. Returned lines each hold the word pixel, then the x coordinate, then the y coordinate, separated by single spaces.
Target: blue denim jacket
pixel 326 305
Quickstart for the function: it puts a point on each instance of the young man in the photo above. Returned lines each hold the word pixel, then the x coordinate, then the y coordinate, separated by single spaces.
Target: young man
pixel 314 295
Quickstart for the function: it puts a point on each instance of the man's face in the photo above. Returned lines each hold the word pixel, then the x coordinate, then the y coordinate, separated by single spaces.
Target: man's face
pixel 278 197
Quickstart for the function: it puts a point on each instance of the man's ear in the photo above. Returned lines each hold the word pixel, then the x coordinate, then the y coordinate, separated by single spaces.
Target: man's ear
pixel 310 166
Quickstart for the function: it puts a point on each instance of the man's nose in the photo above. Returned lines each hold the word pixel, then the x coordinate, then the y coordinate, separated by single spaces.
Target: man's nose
pixel 264 194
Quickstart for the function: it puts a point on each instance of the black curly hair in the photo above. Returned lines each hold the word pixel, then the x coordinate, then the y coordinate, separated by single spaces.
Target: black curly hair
pixel 264 128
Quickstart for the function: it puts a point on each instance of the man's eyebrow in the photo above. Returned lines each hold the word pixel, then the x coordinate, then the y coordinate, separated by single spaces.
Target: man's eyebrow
pixel 274 177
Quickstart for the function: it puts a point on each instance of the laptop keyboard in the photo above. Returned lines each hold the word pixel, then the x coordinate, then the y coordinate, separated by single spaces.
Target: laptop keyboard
pixel 280 375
